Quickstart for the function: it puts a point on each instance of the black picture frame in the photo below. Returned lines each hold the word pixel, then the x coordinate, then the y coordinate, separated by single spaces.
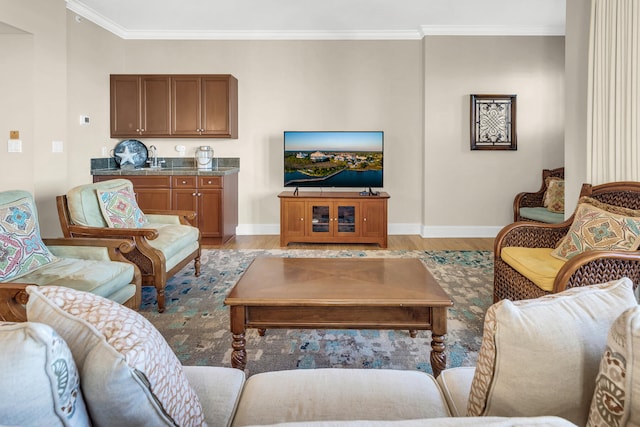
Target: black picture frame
pixel 493 122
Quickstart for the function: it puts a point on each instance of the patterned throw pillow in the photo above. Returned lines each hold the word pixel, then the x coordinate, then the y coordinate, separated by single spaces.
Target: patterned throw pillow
pixel 120 209
pixel 129 374
pixel 615 399
pixel 522 344
pixel 21 248
pixel 594 228
pixel 39 380
pixel 554 196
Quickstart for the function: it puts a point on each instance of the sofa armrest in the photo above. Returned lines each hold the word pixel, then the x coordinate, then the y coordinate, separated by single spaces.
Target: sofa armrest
pixel 13 296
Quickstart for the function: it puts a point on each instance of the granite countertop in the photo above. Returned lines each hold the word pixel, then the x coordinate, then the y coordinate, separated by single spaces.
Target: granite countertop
pixel 169 166
pixel 222 170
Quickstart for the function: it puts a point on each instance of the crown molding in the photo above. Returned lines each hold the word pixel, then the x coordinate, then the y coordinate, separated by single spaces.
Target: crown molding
pixel 489 30
pixel 424 30
pixel 272 35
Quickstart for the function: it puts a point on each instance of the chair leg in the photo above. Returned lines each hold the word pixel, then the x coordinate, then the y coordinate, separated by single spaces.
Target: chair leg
pixel 160 296
pixel 196 265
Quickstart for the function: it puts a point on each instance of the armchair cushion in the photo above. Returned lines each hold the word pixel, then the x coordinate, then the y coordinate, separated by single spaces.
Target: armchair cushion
pixel 175 241
pixel 541 214
pixel 95 276
pixel 554 196
pixel 39 379
pixel 119 207
pixel 616 400
pixel 129 374
pixel 21 248
pixel 536 264
pixel 517 342
pixel 595 228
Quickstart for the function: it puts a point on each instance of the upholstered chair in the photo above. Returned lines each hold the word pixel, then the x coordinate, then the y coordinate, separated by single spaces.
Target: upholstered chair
pixel 534 206
pixel 598 243
pixel 164 241
pixel 97 266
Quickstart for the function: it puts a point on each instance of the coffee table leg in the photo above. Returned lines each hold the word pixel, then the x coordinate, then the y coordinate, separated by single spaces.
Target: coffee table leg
pixel 438 331
pixel 239 354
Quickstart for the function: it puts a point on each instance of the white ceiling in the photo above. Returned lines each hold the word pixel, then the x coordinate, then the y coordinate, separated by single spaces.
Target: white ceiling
pixel 320 19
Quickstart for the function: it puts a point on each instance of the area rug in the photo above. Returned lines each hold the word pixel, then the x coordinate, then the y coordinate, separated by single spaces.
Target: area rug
pixel 196 321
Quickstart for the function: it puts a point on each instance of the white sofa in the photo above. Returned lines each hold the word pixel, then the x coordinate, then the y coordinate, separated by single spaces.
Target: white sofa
pixel 539 365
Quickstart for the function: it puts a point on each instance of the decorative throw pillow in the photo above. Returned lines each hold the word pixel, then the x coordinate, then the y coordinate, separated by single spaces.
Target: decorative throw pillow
pixel 129 374
pixel 120 209
pixel 21 248
pixel 594 228
pixel 39 380
pixel 554 196
pixel 553 343
pixel 615 400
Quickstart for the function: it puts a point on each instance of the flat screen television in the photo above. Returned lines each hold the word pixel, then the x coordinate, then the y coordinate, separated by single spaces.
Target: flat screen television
pixel 333 159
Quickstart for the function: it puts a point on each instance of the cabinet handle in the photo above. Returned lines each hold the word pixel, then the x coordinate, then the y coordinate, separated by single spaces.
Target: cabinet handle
pixel 301 219
pixel 184 182
pixel 194 194
pixel 199 194
pixel 208 182
pixel 364 219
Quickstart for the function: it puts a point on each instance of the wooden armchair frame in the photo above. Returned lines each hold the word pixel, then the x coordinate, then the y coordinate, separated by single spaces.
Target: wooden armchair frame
pixel 584 269
pixel 151 262
pixel 534 199
pixel 13 295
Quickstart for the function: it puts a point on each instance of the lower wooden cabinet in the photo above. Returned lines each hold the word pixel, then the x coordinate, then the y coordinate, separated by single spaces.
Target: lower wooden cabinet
pixel 213 198
pixel 333 217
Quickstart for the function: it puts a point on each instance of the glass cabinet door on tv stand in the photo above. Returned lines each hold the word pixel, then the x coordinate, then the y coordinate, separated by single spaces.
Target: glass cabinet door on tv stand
pixel 333 218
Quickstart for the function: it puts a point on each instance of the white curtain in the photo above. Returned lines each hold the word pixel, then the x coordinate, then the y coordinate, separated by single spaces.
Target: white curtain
pixel 613 139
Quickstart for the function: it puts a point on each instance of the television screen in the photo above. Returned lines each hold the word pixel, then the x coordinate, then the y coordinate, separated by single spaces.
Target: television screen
pixel 333 159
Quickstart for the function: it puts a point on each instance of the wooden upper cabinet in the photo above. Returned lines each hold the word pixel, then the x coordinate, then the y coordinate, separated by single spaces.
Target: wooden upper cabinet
pixel 140 105
pixel 189 106
pixel 205 105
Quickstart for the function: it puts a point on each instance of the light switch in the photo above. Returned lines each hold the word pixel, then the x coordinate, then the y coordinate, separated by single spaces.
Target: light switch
pixel 14 146
pixel 57 147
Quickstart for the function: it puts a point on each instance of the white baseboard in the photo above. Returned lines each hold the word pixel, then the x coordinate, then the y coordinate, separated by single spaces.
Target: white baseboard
pixel 425 231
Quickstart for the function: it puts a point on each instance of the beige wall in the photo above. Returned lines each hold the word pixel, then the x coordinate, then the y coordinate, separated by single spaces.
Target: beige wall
pixel 36 85
pixel 406 88
pixel 577 47
pixel 475 189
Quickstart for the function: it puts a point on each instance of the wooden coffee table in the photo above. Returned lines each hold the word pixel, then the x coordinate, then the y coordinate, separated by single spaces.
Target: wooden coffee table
pixel 338 293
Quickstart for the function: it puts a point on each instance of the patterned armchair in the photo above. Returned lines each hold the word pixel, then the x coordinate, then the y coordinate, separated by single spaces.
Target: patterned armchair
pixel 164 241
pixel 522 250
pixel 97 266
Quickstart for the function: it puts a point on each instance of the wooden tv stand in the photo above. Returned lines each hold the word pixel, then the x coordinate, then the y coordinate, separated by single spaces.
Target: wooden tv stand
pixel 333 217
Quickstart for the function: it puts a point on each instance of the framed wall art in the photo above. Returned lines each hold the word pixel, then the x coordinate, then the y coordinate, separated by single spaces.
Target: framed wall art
pixel 493 122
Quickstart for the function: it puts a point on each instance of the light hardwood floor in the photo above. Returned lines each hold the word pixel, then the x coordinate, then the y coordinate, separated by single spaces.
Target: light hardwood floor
pixel 396 242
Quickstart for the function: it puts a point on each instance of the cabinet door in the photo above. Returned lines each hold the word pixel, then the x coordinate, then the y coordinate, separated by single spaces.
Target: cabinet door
pixel 125 105
pixel 219 106
pixel 346 218
pixel 209 212
pixel 155 105
pixel 321 220
pixel 374 218
pixel 186 199
pixel 292 218
pixel 153 198
pixel 185 105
